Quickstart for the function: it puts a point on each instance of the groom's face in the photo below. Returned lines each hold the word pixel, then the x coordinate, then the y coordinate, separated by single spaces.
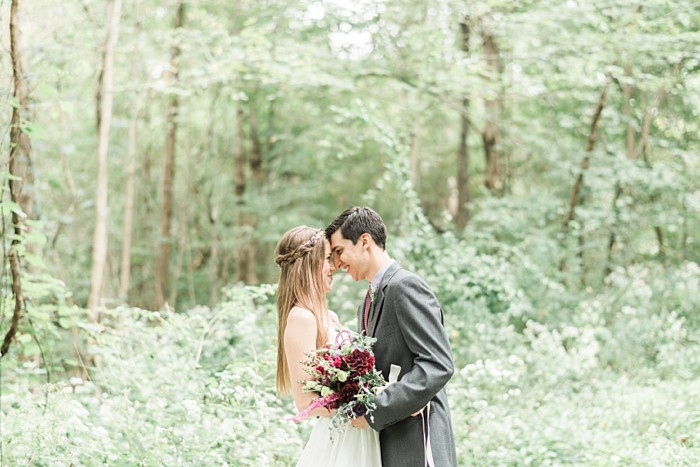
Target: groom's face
pixel 353 258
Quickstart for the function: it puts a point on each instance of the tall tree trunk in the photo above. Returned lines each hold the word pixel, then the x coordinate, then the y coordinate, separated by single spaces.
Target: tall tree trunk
pixel 627 90
pixel 190 277
pixel 130 190
pixel 462 215
pixel 627 111
pixel 129 196
pixel 166 213
pixel 16 273
pixel 634 153
pixel 507 171
pixel 256 157
pixel 239 158
pixel 627 93
pixel 20 148
pixel 643 150
pixel 182 235
pixel 257 175
pixel 212 215
pixel 578 184
pixel 240 187
pixel 415 153
pixel 21 174
pixel 100 239
pixel 612 239
pixel 213 252
pixel 491 133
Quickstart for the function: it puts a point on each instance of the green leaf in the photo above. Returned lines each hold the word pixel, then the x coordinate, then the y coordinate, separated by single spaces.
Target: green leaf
pixel 23 338
pixel 31 348
pixel 67 323
pixel 32 129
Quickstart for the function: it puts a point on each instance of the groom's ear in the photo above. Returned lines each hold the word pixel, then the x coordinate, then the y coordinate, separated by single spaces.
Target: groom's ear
pixel 366 240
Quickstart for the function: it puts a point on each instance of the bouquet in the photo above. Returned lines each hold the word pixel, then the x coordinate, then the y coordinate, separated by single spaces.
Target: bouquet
pixel 343 374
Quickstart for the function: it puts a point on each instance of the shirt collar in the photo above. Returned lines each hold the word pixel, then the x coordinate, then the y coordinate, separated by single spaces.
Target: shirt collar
pixel 377 279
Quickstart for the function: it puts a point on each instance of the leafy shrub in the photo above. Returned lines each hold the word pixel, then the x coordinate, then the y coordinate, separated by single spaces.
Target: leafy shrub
pixel 170 389
pixel 544 376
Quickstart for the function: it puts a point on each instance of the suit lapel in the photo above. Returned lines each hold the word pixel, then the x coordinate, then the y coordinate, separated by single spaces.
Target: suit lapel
pixel 379 299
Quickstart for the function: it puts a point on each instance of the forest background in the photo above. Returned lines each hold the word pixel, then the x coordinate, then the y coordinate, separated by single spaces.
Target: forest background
pixel 536 161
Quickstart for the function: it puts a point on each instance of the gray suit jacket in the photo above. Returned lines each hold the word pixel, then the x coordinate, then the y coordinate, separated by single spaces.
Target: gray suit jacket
pixel 408 324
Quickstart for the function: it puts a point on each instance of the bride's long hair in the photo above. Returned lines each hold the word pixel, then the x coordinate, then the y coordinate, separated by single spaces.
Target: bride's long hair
pixel 300 254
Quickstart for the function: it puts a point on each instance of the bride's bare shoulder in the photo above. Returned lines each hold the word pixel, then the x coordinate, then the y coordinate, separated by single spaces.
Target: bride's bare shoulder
pixel 300 317
pixel 300 333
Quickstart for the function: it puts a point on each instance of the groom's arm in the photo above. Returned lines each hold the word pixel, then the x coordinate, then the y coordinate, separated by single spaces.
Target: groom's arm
pixel 419 321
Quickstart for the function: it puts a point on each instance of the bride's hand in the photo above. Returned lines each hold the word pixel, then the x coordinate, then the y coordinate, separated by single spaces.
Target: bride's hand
pixel 420 411
pixel 359 422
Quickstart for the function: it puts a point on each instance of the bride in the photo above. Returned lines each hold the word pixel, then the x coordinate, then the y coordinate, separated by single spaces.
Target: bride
pixel 305 324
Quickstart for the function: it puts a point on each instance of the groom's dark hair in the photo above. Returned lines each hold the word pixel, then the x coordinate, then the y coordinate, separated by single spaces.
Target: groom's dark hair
pixel 355 221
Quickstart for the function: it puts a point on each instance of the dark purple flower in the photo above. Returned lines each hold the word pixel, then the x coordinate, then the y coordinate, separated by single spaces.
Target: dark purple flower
pixel 359 410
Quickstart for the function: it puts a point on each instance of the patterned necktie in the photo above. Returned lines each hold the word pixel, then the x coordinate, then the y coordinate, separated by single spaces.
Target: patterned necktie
pixel 368 305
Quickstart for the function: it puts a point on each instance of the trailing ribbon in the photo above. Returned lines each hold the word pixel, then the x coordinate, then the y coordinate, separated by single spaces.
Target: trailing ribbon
pixel 425 419
pixel 343 337
pixel 316 403
pixel 394 372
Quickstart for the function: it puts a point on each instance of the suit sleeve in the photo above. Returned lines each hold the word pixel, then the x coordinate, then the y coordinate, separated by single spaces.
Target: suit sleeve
pixel 419 320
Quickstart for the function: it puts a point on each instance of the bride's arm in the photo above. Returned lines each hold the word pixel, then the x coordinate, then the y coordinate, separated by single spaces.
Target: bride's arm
pixel 299 340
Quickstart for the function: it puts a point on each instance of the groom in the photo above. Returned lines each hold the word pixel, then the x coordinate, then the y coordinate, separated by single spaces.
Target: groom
pixel 404 316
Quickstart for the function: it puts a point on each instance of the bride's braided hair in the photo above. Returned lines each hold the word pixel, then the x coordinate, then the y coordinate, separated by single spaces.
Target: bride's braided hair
pixel 300 254
pixel 289 256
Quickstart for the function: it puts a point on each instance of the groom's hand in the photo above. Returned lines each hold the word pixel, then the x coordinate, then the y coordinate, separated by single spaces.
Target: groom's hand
pixel 360 422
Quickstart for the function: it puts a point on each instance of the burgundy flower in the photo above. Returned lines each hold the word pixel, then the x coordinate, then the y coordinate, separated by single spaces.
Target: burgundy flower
pixel 349 390
pixel 360 362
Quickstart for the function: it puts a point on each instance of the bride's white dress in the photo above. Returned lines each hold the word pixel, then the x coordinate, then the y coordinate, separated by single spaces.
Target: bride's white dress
pixel 350 447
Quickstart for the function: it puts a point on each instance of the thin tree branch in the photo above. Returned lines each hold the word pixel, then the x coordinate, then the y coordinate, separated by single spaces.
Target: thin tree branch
pixel 585 163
